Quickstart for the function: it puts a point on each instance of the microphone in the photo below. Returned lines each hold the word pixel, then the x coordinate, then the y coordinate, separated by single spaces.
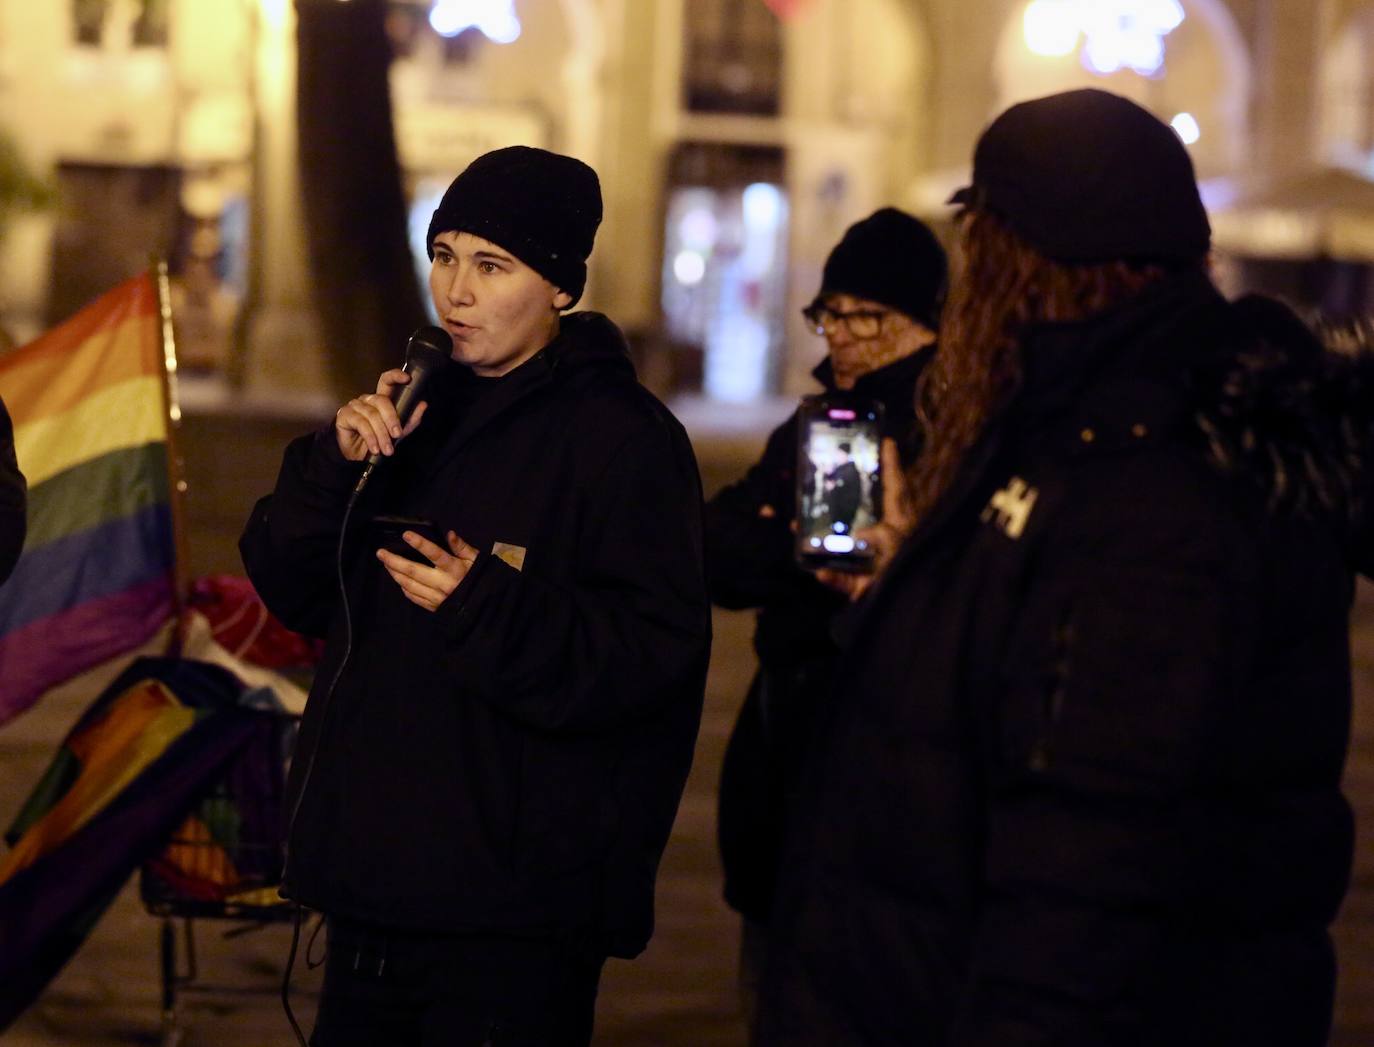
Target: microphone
pixel 427 353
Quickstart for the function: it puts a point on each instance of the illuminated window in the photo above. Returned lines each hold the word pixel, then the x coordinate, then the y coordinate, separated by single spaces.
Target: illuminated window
pixel 95 22
pixel 733 59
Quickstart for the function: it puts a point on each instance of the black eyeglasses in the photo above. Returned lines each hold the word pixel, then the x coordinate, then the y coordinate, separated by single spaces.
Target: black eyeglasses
pixel 860 323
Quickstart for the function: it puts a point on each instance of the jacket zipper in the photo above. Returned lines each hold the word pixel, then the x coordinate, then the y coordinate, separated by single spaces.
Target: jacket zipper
pixel 1053 709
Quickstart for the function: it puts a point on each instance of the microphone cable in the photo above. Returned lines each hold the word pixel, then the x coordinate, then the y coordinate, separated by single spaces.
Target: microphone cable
pixel 426 353
pixel 286 978
pixel 326 699
pixel 296 917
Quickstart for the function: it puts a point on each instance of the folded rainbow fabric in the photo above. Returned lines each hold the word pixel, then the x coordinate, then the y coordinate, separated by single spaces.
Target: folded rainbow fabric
pixel 91 427
pixel 143 757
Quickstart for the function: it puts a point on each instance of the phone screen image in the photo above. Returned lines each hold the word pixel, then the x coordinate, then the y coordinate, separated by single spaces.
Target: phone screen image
pixel 838 483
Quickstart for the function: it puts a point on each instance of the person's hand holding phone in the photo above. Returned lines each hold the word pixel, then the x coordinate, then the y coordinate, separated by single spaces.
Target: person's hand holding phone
pixel 886 536
pixel 429 585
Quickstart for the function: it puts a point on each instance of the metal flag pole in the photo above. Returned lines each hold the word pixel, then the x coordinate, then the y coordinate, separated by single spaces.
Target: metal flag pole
pixel 176 466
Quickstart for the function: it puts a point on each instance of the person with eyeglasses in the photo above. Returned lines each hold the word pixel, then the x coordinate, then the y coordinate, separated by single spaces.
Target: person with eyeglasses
pixel 878 311
pixel 1083 785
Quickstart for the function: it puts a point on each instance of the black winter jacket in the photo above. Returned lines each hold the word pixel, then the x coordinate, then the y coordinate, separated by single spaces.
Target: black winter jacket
pixel 514 760
pixel 750 563
pixel 1082 786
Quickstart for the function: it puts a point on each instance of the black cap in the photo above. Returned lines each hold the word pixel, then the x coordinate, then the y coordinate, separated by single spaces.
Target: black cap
pixel 542 207
pixel 1088 176
pixel 890 258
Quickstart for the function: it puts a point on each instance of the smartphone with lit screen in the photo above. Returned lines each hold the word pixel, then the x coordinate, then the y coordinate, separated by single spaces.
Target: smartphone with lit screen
pixel 839 481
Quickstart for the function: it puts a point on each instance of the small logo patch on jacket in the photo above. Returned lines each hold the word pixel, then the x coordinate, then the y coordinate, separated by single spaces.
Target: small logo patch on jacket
pixel 511 554
pixel 1011 507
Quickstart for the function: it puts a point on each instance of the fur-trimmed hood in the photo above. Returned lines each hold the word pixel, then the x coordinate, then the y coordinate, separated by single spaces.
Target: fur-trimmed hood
pixel 1293 410
pixel 1287 409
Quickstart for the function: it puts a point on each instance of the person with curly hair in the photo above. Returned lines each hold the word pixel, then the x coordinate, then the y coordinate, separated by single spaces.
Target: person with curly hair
pixel 1083 787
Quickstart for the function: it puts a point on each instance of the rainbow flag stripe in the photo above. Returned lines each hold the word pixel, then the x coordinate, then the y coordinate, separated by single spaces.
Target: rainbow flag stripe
pixel 90 433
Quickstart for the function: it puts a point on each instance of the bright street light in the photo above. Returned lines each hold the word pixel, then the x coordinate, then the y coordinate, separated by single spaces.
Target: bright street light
pixel 1116 34
pixel 1051 28
pixel 1186 125
pixel 495 18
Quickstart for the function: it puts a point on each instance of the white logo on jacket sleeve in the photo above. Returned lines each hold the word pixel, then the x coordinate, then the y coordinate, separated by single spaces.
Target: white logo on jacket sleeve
pixel 1011 507
pixel 511 554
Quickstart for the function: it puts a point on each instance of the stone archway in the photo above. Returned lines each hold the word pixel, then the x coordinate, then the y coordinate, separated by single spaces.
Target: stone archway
pixel 1207 74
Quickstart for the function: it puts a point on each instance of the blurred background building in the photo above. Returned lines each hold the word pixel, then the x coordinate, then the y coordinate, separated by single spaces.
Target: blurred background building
pixel 285 155
pixel 272 150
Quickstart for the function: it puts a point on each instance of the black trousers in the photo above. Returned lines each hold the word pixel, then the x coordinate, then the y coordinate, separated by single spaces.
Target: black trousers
pixel 393 989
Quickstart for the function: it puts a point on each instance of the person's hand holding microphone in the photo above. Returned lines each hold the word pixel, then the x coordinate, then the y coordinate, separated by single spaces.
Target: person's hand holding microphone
pixel 370 424
pixel 369 427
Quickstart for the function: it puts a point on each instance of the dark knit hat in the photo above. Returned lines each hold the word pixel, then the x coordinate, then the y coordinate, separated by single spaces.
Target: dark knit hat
pixel 540 206
pixel 890 258
pixel 1088 176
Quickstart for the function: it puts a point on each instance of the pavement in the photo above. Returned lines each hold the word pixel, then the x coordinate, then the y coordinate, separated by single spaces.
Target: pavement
pixel 680 993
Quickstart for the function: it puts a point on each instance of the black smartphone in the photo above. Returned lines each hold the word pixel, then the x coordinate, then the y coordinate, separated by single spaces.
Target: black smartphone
pixel 388 531
pixel 839 481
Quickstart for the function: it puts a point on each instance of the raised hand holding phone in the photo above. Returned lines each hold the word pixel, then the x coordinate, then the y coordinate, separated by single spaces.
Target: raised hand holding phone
pixel 839 480
pixel 885 537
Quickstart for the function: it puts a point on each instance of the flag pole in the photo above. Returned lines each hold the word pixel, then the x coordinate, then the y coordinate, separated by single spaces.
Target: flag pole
pixel 176 466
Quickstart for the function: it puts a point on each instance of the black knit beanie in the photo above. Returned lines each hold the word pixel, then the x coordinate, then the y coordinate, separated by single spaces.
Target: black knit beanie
pixel 540 206
pixel 890 258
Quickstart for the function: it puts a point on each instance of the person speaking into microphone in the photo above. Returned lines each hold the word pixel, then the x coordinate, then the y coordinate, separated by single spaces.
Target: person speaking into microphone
pixel 516 630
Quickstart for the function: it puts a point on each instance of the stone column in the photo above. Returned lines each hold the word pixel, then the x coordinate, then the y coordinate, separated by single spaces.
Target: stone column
pixel 1286 45
pixel 637 81
pixel 965 36
pixel 280 347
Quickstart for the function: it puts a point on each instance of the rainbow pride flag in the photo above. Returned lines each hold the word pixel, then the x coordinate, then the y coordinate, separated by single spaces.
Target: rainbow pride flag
pixel 143 757
pixel 91 428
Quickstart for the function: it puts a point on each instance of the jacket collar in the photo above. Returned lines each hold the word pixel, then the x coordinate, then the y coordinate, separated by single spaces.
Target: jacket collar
pixel 586 340
pixel 1142 352
pixel 895 378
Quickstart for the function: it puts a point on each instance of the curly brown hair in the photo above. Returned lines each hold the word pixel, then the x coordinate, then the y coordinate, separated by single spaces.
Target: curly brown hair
pixel 1004 287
